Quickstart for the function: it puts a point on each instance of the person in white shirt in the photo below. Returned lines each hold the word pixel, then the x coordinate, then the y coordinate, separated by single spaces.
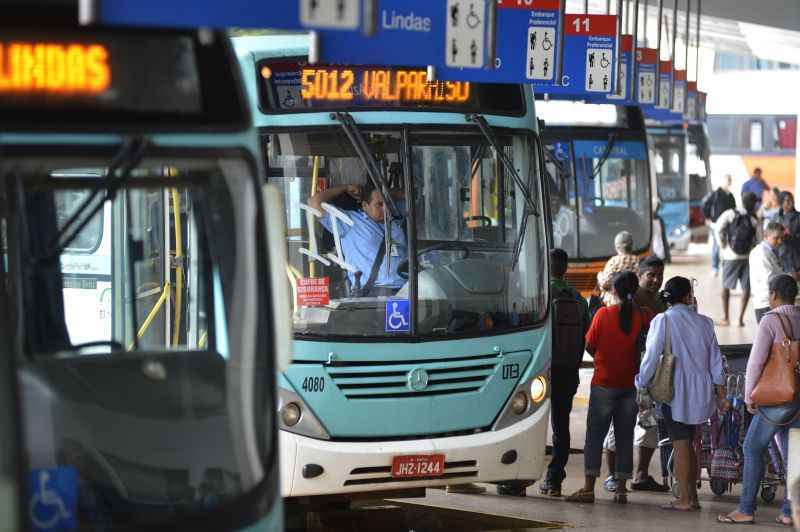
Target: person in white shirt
pixel 765 264
pixel 738 231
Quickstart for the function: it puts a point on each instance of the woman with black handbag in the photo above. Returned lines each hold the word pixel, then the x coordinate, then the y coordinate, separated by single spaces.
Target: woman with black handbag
pixel 682 355
pixel 770 393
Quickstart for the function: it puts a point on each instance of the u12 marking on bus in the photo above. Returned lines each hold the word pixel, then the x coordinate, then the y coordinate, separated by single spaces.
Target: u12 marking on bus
pixel 510 371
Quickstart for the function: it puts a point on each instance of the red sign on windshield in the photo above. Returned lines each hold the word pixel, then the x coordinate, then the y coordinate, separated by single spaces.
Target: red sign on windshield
pixel 313 292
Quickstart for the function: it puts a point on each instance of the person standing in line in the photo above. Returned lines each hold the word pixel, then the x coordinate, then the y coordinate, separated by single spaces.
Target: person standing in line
pixel 765 265
pixel 790 219
pixel 698 373
pixel 757 186
pixel 738 231
pixel 645 437
pixel 771 207
pixel 624 260
pixel 783 318
pixel 568 349
pixel 714 204
pixel 612 341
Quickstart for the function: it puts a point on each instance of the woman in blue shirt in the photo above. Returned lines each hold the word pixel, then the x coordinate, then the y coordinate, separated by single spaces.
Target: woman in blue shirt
pixel 698 371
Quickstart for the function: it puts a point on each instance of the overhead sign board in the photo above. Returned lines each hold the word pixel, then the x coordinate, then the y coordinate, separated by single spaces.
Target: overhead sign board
pixel 691 102
pixel 590 47
pixel 455 34
pixel 664 85
pixel 679 92
pixel 645 83
pixel 339 15
pixel 623 94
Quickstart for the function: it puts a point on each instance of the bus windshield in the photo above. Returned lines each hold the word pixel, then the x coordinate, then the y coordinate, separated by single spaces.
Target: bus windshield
pixel 135 332
pixel 350 264
pixel 597 189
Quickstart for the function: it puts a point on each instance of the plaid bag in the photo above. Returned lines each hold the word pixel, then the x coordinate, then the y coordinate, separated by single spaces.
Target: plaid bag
pixel 726 463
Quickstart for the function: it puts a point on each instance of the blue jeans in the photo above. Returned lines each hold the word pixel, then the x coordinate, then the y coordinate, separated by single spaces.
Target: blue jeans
pixel 759 436
pixel 606 406
pixel 714 250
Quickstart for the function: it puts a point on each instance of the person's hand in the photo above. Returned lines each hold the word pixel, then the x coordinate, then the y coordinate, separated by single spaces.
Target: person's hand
pixel 724 405
pixel 752 408
pixel 354 191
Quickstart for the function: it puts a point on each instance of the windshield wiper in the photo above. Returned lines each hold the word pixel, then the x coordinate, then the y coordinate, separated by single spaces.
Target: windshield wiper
pixel 362 150
pixel 120 168
pixel 612 139
pixel 486 129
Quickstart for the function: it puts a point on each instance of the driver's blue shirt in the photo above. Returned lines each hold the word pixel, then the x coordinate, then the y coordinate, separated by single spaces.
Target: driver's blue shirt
pixel 361 242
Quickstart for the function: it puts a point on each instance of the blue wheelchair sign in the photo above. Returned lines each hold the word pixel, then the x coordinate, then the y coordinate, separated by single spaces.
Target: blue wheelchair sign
pixel 53 499
pixel 398 315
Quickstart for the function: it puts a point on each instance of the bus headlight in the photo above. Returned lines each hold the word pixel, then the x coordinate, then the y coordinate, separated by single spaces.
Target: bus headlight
pixel 291 414
pixel 538 389
pixel 295 416
pixel 519 403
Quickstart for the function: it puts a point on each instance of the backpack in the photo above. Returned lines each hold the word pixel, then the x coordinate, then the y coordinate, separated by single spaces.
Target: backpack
pixel 708 205
pixel 741 234
pixel 569 328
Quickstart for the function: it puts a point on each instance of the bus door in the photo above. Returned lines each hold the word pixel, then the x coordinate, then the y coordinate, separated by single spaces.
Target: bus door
pixel 560 178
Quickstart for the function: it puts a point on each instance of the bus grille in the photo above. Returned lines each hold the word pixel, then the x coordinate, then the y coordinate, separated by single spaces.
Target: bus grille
pixel 582 281
pixel 383 380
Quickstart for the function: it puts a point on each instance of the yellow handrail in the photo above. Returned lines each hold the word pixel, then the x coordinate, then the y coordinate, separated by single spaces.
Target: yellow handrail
pixel 176 212
pixel 152 315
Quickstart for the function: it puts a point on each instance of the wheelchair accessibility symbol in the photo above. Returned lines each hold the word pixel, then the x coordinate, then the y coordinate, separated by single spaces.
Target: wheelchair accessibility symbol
pixel 398 315
pixel 52 496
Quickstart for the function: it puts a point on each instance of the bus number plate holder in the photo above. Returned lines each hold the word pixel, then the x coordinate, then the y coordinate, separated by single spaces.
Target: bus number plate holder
pixel 418 466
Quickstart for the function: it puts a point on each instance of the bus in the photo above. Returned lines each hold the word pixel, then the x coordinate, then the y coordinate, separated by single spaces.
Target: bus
pixel 669 151
pixel 141 306
pixel 599 182
pixel 441 376
pixel 698 165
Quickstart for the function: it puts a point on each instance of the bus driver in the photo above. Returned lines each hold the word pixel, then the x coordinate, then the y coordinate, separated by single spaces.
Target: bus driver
pixel 363 242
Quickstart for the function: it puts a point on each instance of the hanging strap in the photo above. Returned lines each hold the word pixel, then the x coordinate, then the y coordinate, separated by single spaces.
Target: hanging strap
pixel 667 343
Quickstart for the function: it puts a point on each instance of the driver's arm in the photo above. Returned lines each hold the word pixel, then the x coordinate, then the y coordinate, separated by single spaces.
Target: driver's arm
pixel 326 196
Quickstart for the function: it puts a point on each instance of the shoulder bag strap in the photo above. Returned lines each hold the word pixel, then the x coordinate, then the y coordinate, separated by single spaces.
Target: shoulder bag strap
pixel 667 343
pixel 786 333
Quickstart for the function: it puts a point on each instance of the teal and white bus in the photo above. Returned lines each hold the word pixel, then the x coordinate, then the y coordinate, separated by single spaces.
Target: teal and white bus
pixel 139 301
pixel 437 374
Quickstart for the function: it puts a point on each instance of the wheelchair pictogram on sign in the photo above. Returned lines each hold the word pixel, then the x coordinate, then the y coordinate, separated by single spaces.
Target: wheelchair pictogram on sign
pixel 52 498
pixel 398 315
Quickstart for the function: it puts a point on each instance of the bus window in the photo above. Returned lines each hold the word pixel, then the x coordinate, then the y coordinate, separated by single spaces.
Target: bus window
pixel 563 197
pixel 468 219
pixel 756 136
pixel 88 239
pixel 614 194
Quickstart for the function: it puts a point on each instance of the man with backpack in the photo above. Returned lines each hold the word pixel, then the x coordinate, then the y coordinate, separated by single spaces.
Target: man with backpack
pixel 738 232
pixel 570 323
pixel 714 204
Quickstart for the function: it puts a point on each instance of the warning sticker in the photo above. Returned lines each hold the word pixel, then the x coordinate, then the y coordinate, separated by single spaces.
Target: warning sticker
pixel 541 52
pixel 313 292
pixel 465 35
pixel 598 69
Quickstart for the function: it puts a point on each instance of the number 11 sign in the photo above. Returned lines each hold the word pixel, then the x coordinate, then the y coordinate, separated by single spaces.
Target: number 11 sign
pixel 590 50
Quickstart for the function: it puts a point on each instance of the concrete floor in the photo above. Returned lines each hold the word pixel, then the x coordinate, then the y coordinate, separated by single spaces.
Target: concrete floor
pixel 643 509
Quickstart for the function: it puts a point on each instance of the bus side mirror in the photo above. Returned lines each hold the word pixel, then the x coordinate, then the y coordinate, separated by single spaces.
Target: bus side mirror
pixel 279 289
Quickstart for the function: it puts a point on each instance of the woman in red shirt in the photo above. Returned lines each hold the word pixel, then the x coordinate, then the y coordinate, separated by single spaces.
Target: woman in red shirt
pixel 612 342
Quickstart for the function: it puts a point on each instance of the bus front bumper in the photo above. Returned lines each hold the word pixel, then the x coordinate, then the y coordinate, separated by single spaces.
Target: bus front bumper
pixel 354 467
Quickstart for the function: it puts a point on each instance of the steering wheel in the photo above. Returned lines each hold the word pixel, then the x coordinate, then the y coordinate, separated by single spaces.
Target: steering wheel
pixel 487 222
pixel 402 268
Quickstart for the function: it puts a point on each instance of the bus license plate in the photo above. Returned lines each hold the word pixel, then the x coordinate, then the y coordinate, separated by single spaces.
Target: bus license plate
pixel 418 465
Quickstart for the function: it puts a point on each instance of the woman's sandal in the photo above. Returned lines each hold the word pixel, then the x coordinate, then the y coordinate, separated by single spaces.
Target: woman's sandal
pixel 621 497
pixel 784 520
pixel 581 496
pixel 728 520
